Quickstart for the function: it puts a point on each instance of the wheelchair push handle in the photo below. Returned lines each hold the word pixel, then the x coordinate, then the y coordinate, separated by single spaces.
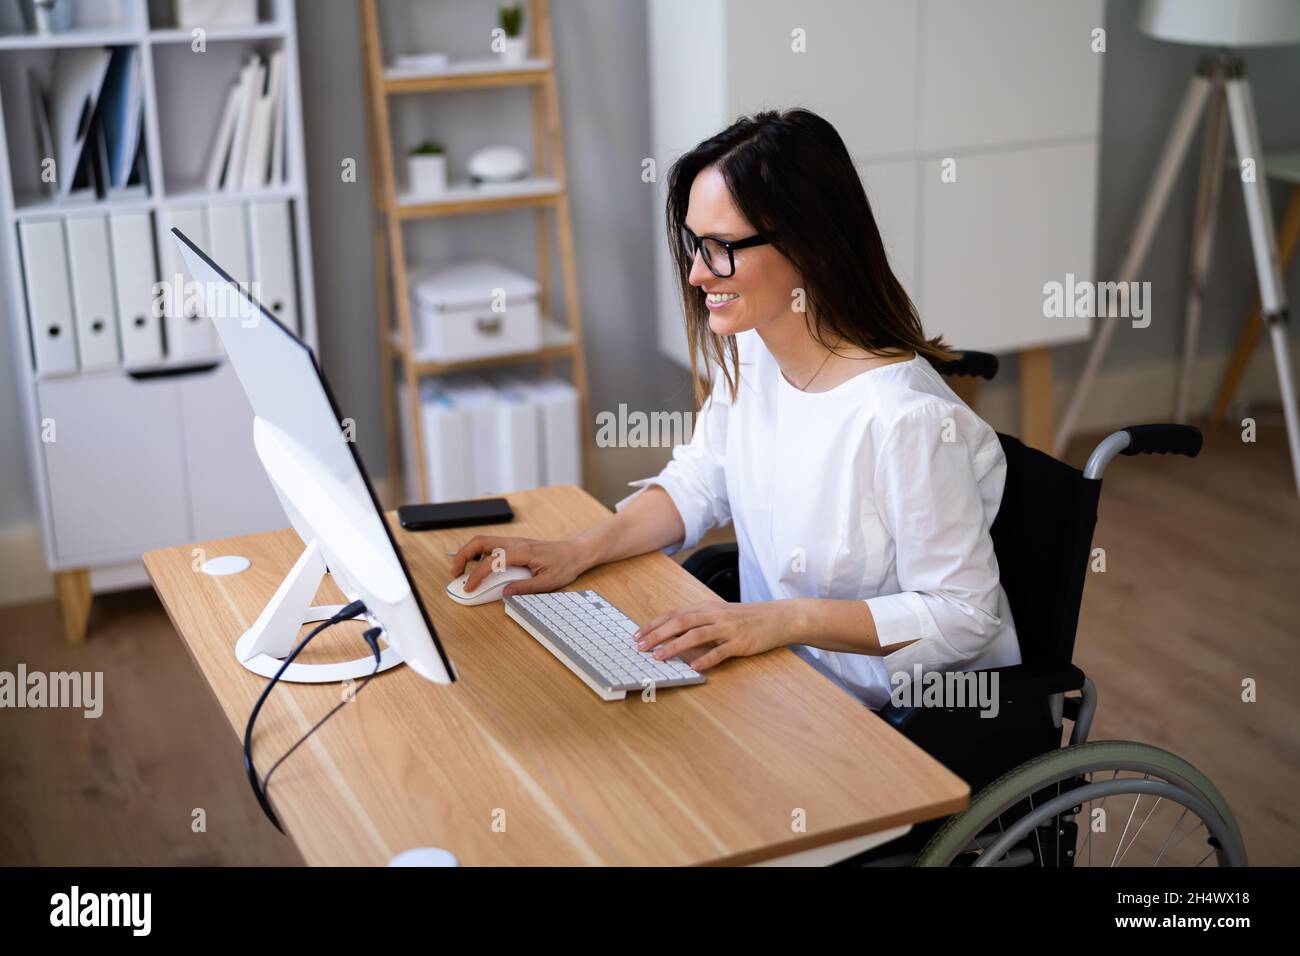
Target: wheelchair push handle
pixel 1163 440
pixel 1144 440
pixel 974 364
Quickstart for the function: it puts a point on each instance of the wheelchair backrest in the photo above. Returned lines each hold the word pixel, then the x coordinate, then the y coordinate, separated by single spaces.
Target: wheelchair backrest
pixel 1043 539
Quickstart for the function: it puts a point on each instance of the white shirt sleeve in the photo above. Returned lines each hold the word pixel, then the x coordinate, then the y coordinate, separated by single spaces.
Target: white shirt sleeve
pixel 695 478
pixel 929 495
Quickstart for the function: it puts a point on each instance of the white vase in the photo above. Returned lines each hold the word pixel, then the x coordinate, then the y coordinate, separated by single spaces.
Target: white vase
pixel 514 49
pixel 428 174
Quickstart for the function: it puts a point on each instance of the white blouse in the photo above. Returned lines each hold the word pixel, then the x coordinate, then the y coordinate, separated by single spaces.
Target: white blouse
pixel 881 489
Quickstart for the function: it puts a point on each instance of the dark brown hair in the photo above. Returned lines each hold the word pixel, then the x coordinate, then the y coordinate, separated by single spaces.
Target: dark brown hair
pixel 791 176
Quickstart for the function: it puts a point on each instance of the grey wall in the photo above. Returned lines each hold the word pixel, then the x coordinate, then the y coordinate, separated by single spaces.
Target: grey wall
pixel 1143 84
pixel 601 51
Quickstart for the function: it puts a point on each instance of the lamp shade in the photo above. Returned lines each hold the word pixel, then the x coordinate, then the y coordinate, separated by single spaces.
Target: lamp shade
pixel 1222 23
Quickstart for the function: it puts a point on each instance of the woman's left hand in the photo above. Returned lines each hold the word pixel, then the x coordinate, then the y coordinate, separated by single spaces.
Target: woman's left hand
pixel 733 630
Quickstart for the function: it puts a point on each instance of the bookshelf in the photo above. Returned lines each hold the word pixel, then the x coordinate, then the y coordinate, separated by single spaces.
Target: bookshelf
pixel 148 452
pixel 543 193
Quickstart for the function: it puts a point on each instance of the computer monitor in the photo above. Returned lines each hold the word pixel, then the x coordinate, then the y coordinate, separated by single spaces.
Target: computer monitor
pixel 322 484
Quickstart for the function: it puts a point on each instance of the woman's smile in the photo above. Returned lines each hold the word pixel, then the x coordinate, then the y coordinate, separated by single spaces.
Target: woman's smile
pixel 719 300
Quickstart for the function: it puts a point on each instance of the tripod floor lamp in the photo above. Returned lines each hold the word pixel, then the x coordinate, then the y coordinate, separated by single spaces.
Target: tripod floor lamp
pixel 1220 86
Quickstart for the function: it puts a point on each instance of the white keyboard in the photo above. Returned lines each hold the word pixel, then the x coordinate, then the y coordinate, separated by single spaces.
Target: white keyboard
pixel 594 640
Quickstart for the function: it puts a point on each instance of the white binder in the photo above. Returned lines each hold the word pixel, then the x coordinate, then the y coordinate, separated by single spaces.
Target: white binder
pixel 448 448
pixel 556 440
pixel 411 492
pixel 479 401
pixel 518 434
pixel 134 275
pixel 561 442
pixel 49 297
pixel 91 273
pixel 190 334
pixel 270 231
pixel 228 239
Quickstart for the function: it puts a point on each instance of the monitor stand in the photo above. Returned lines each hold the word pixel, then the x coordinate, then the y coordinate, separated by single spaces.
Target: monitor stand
pixel 265 645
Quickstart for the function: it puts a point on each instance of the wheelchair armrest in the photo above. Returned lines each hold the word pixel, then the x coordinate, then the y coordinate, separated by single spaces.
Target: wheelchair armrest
pixel 718 568
pixel 1014 683
pixel 712 558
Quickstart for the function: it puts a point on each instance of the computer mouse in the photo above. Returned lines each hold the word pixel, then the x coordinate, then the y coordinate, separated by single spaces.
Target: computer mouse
pixel 489 589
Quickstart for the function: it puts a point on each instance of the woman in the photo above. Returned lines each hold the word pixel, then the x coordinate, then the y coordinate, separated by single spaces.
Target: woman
pixel 861 488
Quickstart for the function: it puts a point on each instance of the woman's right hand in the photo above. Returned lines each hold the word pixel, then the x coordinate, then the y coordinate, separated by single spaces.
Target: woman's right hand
pixel 553 563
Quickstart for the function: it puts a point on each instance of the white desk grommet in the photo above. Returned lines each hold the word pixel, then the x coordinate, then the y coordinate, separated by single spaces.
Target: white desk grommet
pixel 424 856
pixel 226 564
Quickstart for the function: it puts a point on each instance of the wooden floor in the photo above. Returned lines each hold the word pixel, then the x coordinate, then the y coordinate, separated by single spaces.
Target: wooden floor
pixel 1201 591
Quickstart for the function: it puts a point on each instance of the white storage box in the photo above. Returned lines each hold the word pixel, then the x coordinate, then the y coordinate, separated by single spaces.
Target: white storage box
pixel 472 310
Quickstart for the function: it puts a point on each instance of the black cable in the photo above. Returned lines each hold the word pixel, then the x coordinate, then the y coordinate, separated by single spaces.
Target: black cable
pixel 346 613
pixel 372 638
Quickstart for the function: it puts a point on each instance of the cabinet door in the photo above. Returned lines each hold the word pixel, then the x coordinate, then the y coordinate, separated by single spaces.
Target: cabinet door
pixel 1009 224
pixel 853 63
pixel 1008 71
pixel 228 488
pixel 115 466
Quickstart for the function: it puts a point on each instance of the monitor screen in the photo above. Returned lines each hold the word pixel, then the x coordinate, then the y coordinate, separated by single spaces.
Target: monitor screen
pixel 288 391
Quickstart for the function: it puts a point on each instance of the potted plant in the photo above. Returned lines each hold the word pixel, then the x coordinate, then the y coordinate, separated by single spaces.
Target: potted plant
pixel 427 166
pixel 514 46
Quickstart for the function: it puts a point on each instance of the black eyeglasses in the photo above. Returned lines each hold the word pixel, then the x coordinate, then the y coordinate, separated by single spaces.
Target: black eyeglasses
pixel 718 253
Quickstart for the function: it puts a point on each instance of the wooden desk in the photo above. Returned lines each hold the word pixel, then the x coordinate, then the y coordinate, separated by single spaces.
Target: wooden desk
pixel 518 762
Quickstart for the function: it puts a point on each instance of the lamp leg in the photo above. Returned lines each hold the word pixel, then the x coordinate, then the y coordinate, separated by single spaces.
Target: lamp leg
pixel 1288 237
pixel 1207 213
pixel 1263 240
pixel 1153 208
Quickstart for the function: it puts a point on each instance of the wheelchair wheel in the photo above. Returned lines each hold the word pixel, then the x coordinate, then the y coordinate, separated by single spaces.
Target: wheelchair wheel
pixel 1104 803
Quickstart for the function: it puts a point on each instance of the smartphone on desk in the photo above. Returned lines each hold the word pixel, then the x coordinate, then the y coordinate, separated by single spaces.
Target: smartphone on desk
pixel 454 514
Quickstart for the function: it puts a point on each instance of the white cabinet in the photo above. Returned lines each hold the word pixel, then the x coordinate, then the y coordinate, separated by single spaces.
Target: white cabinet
pixel 1009 90
pixel 1009 224
pixel 854 59
pixel 140 462
pixel 999 72
pixel 229 492
pixel 114 464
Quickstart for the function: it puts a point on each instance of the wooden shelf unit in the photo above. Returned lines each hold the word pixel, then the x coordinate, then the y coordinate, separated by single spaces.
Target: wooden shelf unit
pixel 545 192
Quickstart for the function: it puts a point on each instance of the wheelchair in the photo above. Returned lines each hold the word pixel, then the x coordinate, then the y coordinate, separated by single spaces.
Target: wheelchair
pixel 1037 802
